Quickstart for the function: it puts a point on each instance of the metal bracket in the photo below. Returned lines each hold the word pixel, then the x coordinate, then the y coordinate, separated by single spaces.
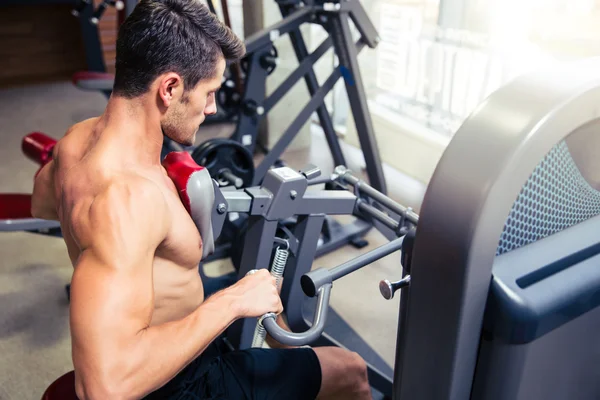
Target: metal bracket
pixel 219 211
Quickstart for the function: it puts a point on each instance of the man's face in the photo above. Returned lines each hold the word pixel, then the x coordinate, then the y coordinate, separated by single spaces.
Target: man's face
pixel 185 115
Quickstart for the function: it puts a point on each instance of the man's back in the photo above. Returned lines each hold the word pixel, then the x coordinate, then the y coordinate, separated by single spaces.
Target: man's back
pixel 90 163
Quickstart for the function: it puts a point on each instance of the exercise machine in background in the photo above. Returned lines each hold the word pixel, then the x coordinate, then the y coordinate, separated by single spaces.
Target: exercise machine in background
pixel 261 60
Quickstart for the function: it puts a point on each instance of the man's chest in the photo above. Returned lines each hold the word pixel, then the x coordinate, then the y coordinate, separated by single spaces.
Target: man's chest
pixel 183 244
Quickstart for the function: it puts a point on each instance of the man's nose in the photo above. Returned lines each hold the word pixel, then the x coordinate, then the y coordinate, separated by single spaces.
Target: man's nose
pixel 211 108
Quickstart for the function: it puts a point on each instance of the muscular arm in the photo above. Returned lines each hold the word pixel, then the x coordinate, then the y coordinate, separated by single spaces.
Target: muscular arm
pixel 43 200
pixel 116 353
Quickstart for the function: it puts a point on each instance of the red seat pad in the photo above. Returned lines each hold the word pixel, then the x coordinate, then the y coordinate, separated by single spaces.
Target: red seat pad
pixel 15 206
pixel 62 389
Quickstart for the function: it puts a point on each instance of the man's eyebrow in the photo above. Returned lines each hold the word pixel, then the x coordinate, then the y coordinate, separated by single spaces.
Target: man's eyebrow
pixel 217 88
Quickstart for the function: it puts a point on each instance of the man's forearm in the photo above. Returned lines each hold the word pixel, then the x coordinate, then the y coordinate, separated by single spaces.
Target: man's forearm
pixel 166 349
pixel 158 353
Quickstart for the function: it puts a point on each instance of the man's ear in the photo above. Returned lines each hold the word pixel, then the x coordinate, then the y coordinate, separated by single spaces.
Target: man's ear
pixel 170 88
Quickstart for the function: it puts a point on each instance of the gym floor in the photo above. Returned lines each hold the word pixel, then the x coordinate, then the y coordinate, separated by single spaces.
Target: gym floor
pixel 34 325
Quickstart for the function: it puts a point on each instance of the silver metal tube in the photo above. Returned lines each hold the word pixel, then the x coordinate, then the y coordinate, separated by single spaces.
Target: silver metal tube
pixel 345 175
pixel 313 280
pixel 232 178
pixel 378 215
pixel 237 200
pixel 301 339
pixel 365 259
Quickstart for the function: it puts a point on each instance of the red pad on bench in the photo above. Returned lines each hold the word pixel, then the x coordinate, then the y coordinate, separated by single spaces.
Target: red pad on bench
pixel 15 206
pixel 90 76
pixel 180 166
pixel 38 147
pixel 197 193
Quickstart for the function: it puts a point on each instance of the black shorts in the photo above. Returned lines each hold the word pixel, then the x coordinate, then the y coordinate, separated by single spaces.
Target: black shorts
pixel 268 374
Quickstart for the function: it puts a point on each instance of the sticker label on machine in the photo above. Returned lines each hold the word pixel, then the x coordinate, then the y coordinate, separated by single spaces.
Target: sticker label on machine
pixel 287 173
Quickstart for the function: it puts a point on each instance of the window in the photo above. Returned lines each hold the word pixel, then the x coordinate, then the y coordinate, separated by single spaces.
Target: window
pixel 439 59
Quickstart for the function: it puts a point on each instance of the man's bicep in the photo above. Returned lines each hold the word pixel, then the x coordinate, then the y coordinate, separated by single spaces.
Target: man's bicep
pixel 96 290
pixel 109 306
pixel 109 294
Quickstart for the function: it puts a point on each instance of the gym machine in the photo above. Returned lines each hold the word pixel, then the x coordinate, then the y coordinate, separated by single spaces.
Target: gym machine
pixel 479 318
pixel 499 288
pixel 286 193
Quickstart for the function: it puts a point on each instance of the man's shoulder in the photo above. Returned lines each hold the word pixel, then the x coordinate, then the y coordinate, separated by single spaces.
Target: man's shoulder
pixel 132 190
pixel 67 146
pixel 125 202
pixel 86 123
pixel 122 193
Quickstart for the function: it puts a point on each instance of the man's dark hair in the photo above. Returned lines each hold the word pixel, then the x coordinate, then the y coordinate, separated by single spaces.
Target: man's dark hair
pixel 182 36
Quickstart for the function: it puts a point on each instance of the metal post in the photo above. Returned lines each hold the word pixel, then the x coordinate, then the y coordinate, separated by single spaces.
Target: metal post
pixel 303 68
pixel 247 127
pixel 307 231
pixel 257 252
pixel 400 339
pixel 294 127
pixel 363 23
pixel 348 58
pixel 91 38
pixel 313 85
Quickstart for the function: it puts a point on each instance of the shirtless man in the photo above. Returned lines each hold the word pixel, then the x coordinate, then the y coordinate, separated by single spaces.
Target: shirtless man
pixel 140 327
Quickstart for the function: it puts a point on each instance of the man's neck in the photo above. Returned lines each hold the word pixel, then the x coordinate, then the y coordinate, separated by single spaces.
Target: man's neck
pixel 136 125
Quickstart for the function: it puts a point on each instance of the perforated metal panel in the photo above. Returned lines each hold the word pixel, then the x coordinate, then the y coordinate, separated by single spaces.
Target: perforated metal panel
pixel 555 197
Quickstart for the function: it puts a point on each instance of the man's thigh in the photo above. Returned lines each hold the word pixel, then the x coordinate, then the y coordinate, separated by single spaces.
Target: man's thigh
pixel 269 374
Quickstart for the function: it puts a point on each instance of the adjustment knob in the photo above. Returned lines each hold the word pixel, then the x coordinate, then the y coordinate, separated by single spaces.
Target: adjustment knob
pixel 387 288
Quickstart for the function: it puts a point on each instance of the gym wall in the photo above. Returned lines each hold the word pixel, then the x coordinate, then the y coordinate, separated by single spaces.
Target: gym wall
pixel 39 43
